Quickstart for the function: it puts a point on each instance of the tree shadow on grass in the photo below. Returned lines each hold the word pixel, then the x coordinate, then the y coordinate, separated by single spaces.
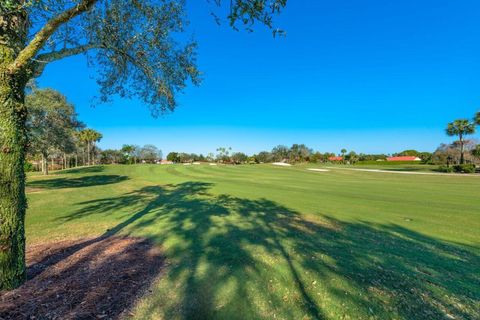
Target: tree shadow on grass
pixel 86 181
pixel 90 169
pixel 235 258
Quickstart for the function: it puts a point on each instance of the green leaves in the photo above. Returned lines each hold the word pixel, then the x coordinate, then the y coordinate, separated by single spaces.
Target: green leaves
pixel 460 127
pixel 51 121
pixel 135 46
pixel 90 135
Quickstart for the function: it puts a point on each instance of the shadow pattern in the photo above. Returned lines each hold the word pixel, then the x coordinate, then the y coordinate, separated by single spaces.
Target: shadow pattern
pixel 235 258
pixel 83 170
pixel 85 181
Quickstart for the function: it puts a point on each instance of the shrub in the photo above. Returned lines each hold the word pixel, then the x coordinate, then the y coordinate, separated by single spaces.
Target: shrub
pixel 464 168
pixel 445 169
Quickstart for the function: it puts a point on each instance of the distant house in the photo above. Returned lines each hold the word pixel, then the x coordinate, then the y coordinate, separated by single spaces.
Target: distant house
pixel 404 158
pixel 335 159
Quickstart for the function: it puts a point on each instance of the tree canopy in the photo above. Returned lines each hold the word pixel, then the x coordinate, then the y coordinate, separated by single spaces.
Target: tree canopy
pixel 51 123
pixel 150 153
pixel 461 128
pixel 132 44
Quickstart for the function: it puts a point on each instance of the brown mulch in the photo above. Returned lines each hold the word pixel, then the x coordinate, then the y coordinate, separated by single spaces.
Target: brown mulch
pixel 97 278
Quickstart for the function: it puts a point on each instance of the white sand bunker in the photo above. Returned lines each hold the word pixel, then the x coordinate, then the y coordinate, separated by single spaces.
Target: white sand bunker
pixel 187 164
pixel 212 164
pixel 196 163
pixel 282 164
pixel 318 170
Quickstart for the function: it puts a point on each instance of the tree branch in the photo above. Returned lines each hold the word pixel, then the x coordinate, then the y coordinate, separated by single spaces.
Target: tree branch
pixel 63 53
pixel 40 62
pixel 45 32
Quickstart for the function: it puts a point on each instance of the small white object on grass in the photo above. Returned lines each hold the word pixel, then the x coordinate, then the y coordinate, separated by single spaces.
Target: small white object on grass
pixel 318 170
pixel 282 164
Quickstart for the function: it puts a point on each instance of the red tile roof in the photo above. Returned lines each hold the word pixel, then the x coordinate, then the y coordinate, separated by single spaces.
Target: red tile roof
pixel 335 159
pixel 403 158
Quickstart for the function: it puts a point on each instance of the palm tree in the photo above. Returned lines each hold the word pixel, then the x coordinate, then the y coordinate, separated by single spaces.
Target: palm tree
pixel 476 119
pixel 461 128
pixel 89 137
pixel 343 151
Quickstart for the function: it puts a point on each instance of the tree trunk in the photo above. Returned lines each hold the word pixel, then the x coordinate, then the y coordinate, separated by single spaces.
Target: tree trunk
pixel 88 153
pixel 462 151
pixel 13 140
pixel 76 160
pixel 93 153
pixel 45 164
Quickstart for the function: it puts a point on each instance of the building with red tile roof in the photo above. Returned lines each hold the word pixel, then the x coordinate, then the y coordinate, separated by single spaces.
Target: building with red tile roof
pixel 335 159
pixel 404 158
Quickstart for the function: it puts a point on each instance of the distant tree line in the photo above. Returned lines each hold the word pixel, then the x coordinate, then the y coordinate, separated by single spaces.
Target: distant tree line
pixel 131 154
pixel 58 140
pixel 297 153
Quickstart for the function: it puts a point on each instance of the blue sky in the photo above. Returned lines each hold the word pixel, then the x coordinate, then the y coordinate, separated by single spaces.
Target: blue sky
pixel 374 76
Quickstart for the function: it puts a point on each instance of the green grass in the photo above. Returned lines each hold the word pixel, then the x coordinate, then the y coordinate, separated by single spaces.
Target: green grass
pixel 266 242
pixel 394 166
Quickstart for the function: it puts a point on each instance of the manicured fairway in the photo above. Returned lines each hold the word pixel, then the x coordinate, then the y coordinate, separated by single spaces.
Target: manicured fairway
pixel 266 242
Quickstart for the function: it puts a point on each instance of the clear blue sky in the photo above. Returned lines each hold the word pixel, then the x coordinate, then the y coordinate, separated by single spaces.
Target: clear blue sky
pixel 371 76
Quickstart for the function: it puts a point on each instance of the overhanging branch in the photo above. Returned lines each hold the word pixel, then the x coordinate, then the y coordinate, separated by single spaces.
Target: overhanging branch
pixel 45 32
pixel 40 62
pixel 63 53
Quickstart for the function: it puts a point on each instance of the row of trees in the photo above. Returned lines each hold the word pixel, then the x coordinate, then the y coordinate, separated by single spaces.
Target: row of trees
pixel 302 153
pixel 460 151
pixel 282 153
pixel 131 154
pixel 57 139
pixel 55 133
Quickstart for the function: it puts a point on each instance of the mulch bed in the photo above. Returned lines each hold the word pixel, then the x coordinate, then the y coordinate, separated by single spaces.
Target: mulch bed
pixel 98 278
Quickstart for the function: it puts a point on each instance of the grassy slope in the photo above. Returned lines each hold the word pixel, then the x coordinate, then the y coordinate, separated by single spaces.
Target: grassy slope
pixel 262 241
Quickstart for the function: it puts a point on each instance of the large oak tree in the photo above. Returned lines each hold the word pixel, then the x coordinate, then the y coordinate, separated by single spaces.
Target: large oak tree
pixel 132 45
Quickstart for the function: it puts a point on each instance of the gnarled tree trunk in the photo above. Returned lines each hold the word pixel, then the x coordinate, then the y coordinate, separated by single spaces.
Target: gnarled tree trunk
pixel 12 153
